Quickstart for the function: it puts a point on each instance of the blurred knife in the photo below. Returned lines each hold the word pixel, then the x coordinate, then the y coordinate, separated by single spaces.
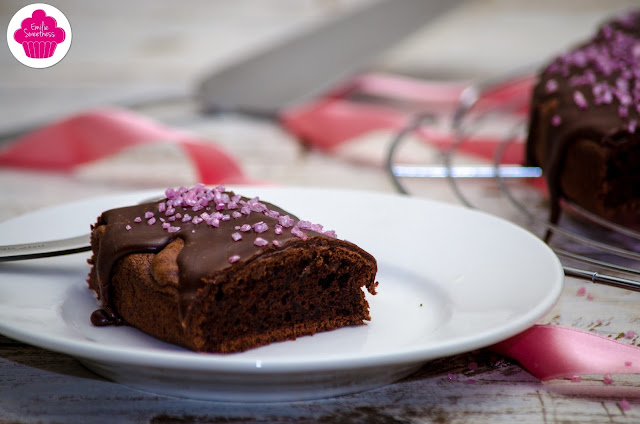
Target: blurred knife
pixel 314 61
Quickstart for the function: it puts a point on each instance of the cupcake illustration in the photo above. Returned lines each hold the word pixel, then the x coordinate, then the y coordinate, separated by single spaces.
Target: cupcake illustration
pixel 39 35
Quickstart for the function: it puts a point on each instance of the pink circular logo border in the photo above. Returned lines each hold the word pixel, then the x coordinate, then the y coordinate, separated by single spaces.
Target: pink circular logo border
pixel 39 35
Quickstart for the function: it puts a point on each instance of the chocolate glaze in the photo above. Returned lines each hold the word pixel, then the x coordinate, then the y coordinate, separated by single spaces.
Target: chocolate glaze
pixel 206 250
pixel 606 60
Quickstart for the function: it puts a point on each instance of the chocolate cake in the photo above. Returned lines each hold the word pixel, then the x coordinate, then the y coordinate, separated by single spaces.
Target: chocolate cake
pixel 216 272
pixel 583 132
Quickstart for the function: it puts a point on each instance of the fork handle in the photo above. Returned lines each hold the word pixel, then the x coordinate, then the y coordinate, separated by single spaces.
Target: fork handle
pixel 16 252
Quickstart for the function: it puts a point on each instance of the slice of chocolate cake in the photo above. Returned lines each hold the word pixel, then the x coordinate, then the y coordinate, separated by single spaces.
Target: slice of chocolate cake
pixel 584 127
pixel 215 272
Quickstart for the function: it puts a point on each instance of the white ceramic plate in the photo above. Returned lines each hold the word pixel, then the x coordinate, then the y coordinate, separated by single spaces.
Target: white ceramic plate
pixel 451 280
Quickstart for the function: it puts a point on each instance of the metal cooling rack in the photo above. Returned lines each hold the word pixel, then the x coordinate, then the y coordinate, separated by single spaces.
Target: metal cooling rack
pixel 588 246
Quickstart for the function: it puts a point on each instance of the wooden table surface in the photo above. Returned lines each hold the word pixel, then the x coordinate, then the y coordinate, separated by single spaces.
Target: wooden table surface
pixel 156 50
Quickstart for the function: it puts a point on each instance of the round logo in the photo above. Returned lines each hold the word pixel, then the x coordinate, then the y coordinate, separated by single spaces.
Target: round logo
pixel 39 35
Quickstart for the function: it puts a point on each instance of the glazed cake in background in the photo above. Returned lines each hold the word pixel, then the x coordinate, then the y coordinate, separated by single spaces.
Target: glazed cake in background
pixel 216 272
pixel 584 127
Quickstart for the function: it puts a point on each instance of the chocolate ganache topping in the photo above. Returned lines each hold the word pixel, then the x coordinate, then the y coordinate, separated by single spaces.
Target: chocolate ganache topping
pixel 219 229
pixel 594 93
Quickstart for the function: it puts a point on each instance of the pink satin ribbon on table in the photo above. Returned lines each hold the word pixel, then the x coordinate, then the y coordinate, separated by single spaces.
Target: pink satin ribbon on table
pixel 89 136
pixel 336 118
pixel 551 352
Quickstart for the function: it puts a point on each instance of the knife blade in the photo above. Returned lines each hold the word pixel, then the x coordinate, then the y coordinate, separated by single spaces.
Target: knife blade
pixel 312 62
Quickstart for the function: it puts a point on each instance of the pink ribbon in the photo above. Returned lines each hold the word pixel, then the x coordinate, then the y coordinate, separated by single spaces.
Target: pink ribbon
pixel 335 118
pixel 92 135
pixel 550 352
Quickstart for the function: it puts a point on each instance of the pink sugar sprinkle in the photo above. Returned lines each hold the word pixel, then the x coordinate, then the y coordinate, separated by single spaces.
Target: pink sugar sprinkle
pixel 304 225
pixel 629 334
pixel 232 205
pixel 173 229
pixel 214 222
pixel 128 227
pixel 236 236
pixel 298 233
pixel 171 218
pixel 166 225
pixel 190 201
pixel 245 210
pixel 551 86
pixel 625 405
pixel 258 207
pixel 259 241
pixel 286 221
pixel 623 111
pixel 581 291
pixel 579 100
pixel 170 211
pixel 472 366
pixel 162 207
pixel 236 214
pixel 272 214
pixel 245 228
pixel 186 217
pixel 276 243
pixel 225 217
pixel 260 227
pixel 278 229
pixel 607 379
pixel 234 258
pixel 255 205
pixel 330 233
pixel 148 215
pixel 151 221
pixel 137 219
pixel 196 220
